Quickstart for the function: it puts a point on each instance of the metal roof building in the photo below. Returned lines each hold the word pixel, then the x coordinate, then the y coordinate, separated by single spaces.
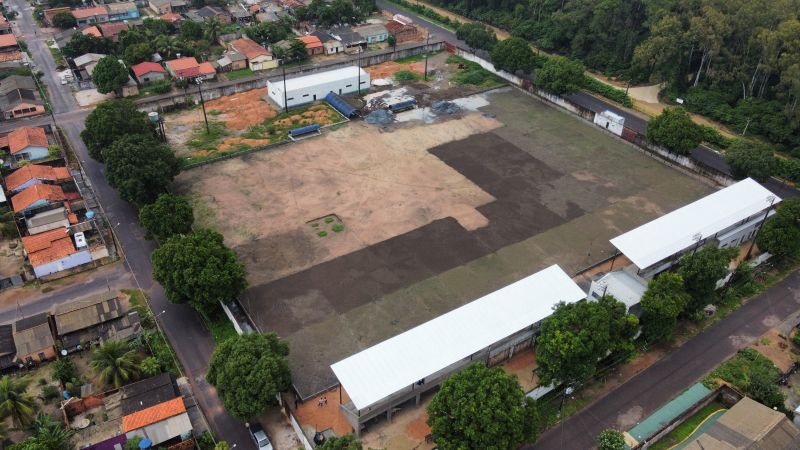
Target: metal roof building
pixel 402 367
pixel 313 87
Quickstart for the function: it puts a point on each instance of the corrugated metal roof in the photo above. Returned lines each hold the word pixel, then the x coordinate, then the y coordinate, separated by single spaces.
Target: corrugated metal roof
pixel 86 312
pixel 316 79
pixel 398 362
pixel 675 232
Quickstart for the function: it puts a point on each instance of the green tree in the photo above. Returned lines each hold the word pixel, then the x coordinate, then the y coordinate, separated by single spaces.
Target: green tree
pixel 115 363
pixel 482 408
pixel 191 30
pixel 297 51
pixel 80 44
pixel 140 169
pixel 112 120
pixel 751 159
pixel 675 130
pixel 560 75
pixel 266 32
pixel 16 402
pixel 151 366
pixel 780 234
pixel 63 370
pixel 391 41
pixel 512 55
pixel 133 443
pixel 221 445
pixel 51 433
pixel 168 216
pixel 138 53
pixel 701 270
pixel 109 75
pixel 664 300
pixel 348 442
pixel 249 371
pixel 476 35
pixel 211 30
pixel 198 269
pixel 610 439
pixel 64 20
pixel 578 335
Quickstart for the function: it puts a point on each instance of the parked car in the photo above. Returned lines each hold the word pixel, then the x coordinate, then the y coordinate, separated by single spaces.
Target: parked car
pixel 260 437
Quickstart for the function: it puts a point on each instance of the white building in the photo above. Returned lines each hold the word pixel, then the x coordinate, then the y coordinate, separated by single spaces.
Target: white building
pixel 610 121
pixel 316 86
pixel 490 329
pixel 726 218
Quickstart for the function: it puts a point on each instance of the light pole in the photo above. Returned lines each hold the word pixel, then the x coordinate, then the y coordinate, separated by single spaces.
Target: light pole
pixel 427 43
pixel 199 81
pixel 285 101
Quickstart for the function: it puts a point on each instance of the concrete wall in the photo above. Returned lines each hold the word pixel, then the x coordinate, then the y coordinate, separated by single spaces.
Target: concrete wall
pixel 69 262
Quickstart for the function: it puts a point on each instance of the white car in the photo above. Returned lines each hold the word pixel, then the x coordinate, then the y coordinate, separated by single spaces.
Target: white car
pixel 260 437
pixel 64 80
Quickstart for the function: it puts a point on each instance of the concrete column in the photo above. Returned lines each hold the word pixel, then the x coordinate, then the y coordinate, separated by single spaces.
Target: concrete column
pixel 417 400
pixel 389 415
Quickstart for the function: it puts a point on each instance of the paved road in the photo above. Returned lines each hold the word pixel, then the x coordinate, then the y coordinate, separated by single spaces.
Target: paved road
pixel 658 384
pixel 190 339
pixel 435 30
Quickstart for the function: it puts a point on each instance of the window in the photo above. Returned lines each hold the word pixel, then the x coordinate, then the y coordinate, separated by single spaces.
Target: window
pixel 363 82
pixel 349 85
pixel 305 95
pixel 290 98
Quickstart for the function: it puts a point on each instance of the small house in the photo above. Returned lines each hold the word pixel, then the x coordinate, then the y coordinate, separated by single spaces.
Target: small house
pixel 19 97
pixel 373 33
pixel 610 121
pixel 53 251
pixel 49 220
pixel 31 174
pixel 232 60
pixel 167 6
pixel 258 57
pixel 36 196
pixel 94 319
pixel 171 17
pixel 112 30
pixel 147 72
pixel 154 409
pixel 86 63
pixel 332 46
pixel 402 32
pixel 213 12
pixel 28 143
pixel 313 45
pixel 91 15
pixel 117 12
pixel 8 43
pixel 50 13
pixel 92 31
pixel 351 40
pixel 33 340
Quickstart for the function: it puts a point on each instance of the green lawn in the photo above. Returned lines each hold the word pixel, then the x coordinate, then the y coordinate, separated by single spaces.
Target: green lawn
pixel 221 328
pixel 474 74
pixel 686 429
pixel 241 73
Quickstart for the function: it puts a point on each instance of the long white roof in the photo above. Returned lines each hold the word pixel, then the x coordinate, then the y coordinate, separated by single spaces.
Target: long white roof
pixel 321 78
pixel 398 362
pixel 675 232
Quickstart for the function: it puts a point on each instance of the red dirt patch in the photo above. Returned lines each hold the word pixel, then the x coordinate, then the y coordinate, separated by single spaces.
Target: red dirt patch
pixel 389 68
pixel 242 110
pixel 418 428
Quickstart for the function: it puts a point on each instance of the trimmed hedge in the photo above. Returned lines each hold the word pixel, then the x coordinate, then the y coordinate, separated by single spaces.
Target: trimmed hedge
pixel 593 85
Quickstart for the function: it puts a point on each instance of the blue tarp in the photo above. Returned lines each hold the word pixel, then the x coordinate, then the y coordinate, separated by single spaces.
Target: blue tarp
pixel 304 130
pixel 340 105
pixel 145 443
pixel 400 106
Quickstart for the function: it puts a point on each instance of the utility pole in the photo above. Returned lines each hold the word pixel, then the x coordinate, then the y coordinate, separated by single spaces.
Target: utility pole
pixel 359 74
pixel 285 101
pixel 427 43
pixel 202 102
pixel 771 200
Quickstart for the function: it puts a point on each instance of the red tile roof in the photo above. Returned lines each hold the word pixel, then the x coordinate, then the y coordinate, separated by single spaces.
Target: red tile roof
pixel 311 41
pixel 8 40
pixel 32 194
pixel 111 30
pixel 49 246
pixel 25 137
pixel 3 141
pixel 249 48
pixel 147 67
pixel 171 17
pixel 206 68
pixel 35 171
pixel 83 13
pixel 93 30
pixel 153 414
pixel 10 56
pixel 184 67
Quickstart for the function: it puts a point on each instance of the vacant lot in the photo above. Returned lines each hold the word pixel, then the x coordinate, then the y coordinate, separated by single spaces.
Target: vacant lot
pixel 433 216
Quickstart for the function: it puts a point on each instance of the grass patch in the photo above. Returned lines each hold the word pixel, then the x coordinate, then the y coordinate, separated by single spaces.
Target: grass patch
pixel 202 140
pixel 277 128
pixel 221 328
pixel 322 233
pixel 155 88
pixel 416 58
pixel 152 338
pixel 214 112
pixel 406 75
pixel 473 74
pixel 686 429
pixel 338 228
pixel 58 57
pixel 755 375
pixel 241 73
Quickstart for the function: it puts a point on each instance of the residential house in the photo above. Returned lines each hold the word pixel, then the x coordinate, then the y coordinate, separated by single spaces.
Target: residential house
pixel 50 13
pixel 8 43
pixel 171 17
pixel 112 30
pixel 118 12
pixel 258 57
pixel 53 251
pixel 86 63
pixel 154 409
pixel 12 60
pixel 402 32
pixel 213 12
pixel 5 25
pixel 188 67
pixel 28 143
pixel 239 14
pixel 62 37
pixel 147 72
pixel 373 33
pixel 94 319
pixel 50 219
pixel 232 61
pixel 33 339
pixel 313 45
pixel 331 44
pixel 8 350
pixel 31 174
pixel 36 196
pixel 161 6
pixel 351 40
pixel 92 31
pixel 91 15
pixel 19 97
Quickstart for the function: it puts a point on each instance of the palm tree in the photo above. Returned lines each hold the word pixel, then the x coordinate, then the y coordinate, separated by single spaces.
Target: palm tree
pixel 51 433
pixel 166 46
pixel 212 28
pixel 16 402
pixel 115 362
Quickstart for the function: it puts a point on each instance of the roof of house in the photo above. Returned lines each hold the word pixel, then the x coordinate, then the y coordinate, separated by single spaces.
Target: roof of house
pixel 399 362
pixel 153 414
pixel 113 29
pixel 394 26
pixel 148 392
pixel 748 424
pixel 321 35
pixel 34 193
pixel 15 82
pixel 55 217
pixel 249 48
pixel 7 340
pixel 83 13
pixel 88 58
pixel 86 312
pixel 121 7
pixel 147 67
pixel 171 17
pixel 92 30
pixel 32 334
pixel 35 171
pixel 210 11
pixel 320 78
pixel 235 56
pixel 180 66
pixel 25 137
pixel 8 40
pixel 673 233
pixel 206 68
pixel 310 41
pixel 10 56
pixel 346 35
pixel 371 29
pixel 50 246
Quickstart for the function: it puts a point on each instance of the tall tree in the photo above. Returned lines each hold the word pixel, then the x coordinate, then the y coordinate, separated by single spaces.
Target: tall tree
pixel 476 35
pixel 191 30
pixel 751 159
pixel 168 216
pixel 513 55
pixel 80 44
pixel 140 169
pixel 115 363
pixel 112 120
pixel 701 270
pixel 109 75
pixel 52 433
pixel 780 234
pixel 64 20
pixel 610 439
pixel 198 269
pixel 664 300
pixel 482 408
pixel 211 30
pixel 16 402
pixel 560 75
pixel 249 371
pixel 266 32
pixel 675 130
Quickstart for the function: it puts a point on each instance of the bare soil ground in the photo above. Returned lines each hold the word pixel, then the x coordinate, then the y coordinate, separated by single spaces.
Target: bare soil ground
pixel 778 348
pixel 11 259
pixel 406 431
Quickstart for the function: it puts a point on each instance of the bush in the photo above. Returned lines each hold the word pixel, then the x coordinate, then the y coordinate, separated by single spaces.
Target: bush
pixel 337 228
pixel 322 233
pixel 796 338
pixel 63 370
pixel 405 75
pixel 595 86
pixel 755 375
pixel 49 393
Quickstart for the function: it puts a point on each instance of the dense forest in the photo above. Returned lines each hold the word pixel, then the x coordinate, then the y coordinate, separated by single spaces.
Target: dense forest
pixel 736 61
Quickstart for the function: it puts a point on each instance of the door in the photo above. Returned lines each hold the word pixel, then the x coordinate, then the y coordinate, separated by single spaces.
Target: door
pixel 315 97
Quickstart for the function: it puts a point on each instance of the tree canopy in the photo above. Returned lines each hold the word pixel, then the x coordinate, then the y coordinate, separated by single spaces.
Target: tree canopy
pixel 267 32
pixel 780 234
pixel 48 434
pixel 249 371
pixel 663 302
pixel 701 270
pixel 512 55
pixel 560 75
pixel 675 130
pixel 198 269
pixel 476 35
pixel 16 402
pixel 169 215
pixel 578 335
pixel 750 159
pixel 115 363
pixel 482 408
pixel 111 120
pixel 140 169
pixel 64 20
pixel 80 44
pixel 109 75
pixel 610 439
pixel 348 442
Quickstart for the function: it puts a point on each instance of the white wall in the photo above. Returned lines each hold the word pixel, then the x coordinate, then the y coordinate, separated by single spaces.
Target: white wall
pixel 602 121
pixel 69 262
pixel 316 92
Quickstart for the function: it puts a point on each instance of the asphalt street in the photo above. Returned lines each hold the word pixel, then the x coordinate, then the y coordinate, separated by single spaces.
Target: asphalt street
pixel 187 334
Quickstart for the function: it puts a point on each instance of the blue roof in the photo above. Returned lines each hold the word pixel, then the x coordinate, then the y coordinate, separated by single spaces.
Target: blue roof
pixel 340 105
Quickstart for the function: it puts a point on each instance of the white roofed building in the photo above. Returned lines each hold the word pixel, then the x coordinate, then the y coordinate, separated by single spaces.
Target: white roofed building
pixel 310 88
pixel 401 368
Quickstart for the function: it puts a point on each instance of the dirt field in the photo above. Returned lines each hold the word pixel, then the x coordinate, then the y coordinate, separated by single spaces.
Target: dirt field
pixel 11 259
pixel 434 216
